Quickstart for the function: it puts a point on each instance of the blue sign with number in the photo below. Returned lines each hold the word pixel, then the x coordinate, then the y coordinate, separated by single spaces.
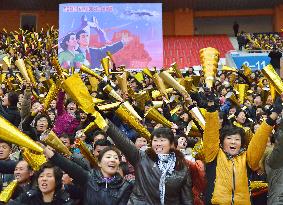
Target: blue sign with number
pixel 256 61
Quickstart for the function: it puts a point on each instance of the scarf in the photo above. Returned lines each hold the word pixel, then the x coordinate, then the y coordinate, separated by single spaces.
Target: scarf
pixel 166 164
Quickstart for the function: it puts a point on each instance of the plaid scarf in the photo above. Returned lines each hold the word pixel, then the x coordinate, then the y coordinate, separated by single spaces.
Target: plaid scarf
pixel 166 164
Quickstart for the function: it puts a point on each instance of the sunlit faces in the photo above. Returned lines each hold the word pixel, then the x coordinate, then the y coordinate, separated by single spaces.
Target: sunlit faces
pixel 53 104
pixel 42 124
pixel 46 181
pixel 109 163
pixel 232 144
pixel 71 108
pixel 241 118
pixel 22 172
pixel 5 150
pixel 161 145
pixel 182 143
pixel 35 106
pixel 140 142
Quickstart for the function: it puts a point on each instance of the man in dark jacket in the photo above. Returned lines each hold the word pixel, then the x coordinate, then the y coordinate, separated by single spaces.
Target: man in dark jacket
pixel 275 56
pixel 9 110
pixel 274 170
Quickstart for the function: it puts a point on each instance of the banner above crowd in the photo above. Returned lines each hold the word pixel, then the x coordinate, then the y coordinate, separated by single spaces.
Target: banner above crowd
pixel 132 33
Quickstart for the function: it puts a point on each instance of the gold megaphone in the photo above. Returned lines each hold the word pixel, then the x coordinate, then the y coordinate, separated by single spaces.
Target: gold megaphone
pixel 87 70
pixel 231 96
pixel 51 95
pixel 7 193
pixel 197 116
pixel 264 94
pixel 122 82
pixel 51 139
pixel 192 130
pixel 2 77
pixel 85 152
pixel 79 93
pixel 156 93
pixel 147 72
pixel 30 75
pixel 57 67
pixel 242 92
pixel 228 69
pixel 127 117
pixel 272 92
pixel 269 72
pixel 106 65
pixel 157 104
pixel 7 60
pixel 153 114
pixel 139 77
pixel 111 92
pixel 21 66
pixel 10 133
pixel 176 70
pixel 209 60
pixel 131 110
pixel 159 84
pixel 108 106
pixel 247 70
pixel 167 78
pixel 91 126
pixel 35 160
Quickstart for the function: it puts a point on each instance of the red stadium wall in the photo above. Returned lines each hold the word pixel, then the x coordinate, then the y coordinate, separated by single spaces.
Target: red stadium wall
pixel 179 22
pixel 11 19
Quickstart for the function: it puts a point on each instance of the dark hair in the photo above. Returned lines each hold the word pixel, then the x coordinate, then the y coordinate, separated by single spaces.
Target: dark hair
pixel 13 98
pixel 8 143
pixel 163 132
pixel 99 132
pixel 233 130
pixel 28 165
pixel 58 174
pixel 68 101
pixel 79 33
pixel 177 137
pixel 102 152
pixel 64 41
pixel 137 137
pixel 38 117
pixel 102 142
pixel 124 167
pixel 64 135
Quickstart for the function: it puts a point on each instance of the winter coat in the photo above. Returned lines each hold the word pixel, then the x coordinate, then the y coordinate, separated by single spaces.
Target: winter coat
pixel 178 187
pixel 65 122
pixel 228 176
pixel 34 197
pixel 11 114
pixel 274 171
pixel 96 190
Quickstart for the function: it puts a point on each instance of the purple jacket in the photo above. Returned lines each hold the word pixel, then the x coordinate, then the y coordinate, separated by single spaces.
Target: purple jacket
pixel 65 122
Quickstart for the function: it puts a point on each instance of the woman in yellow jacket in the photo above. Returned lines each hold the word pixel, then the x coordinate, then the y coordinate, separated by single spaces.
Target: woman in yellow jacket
pixel 228 160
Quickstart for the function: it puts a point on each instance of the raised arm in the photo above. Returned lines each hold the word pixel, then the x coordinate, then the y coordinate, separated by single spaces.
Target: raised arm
pixel 60 103
pixel 26 103
pixel 75 171
pixel 211 135
pixel 258 143
pixel 123 143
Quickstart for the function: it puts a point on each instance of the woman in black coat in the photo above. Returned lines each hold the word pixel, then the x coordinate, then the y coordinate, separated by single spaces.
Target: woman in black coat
pixel 161 176
pixel 49 190
pixel 102 185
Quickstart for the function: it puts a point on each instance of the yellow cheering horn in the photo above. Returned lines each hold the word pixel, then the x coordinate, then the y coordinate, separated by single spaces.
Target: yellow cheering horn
pixel 106 65
pixel 7 193
pixel 50 138
pixel 269 72
pixel 21 66
pixel 10 133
